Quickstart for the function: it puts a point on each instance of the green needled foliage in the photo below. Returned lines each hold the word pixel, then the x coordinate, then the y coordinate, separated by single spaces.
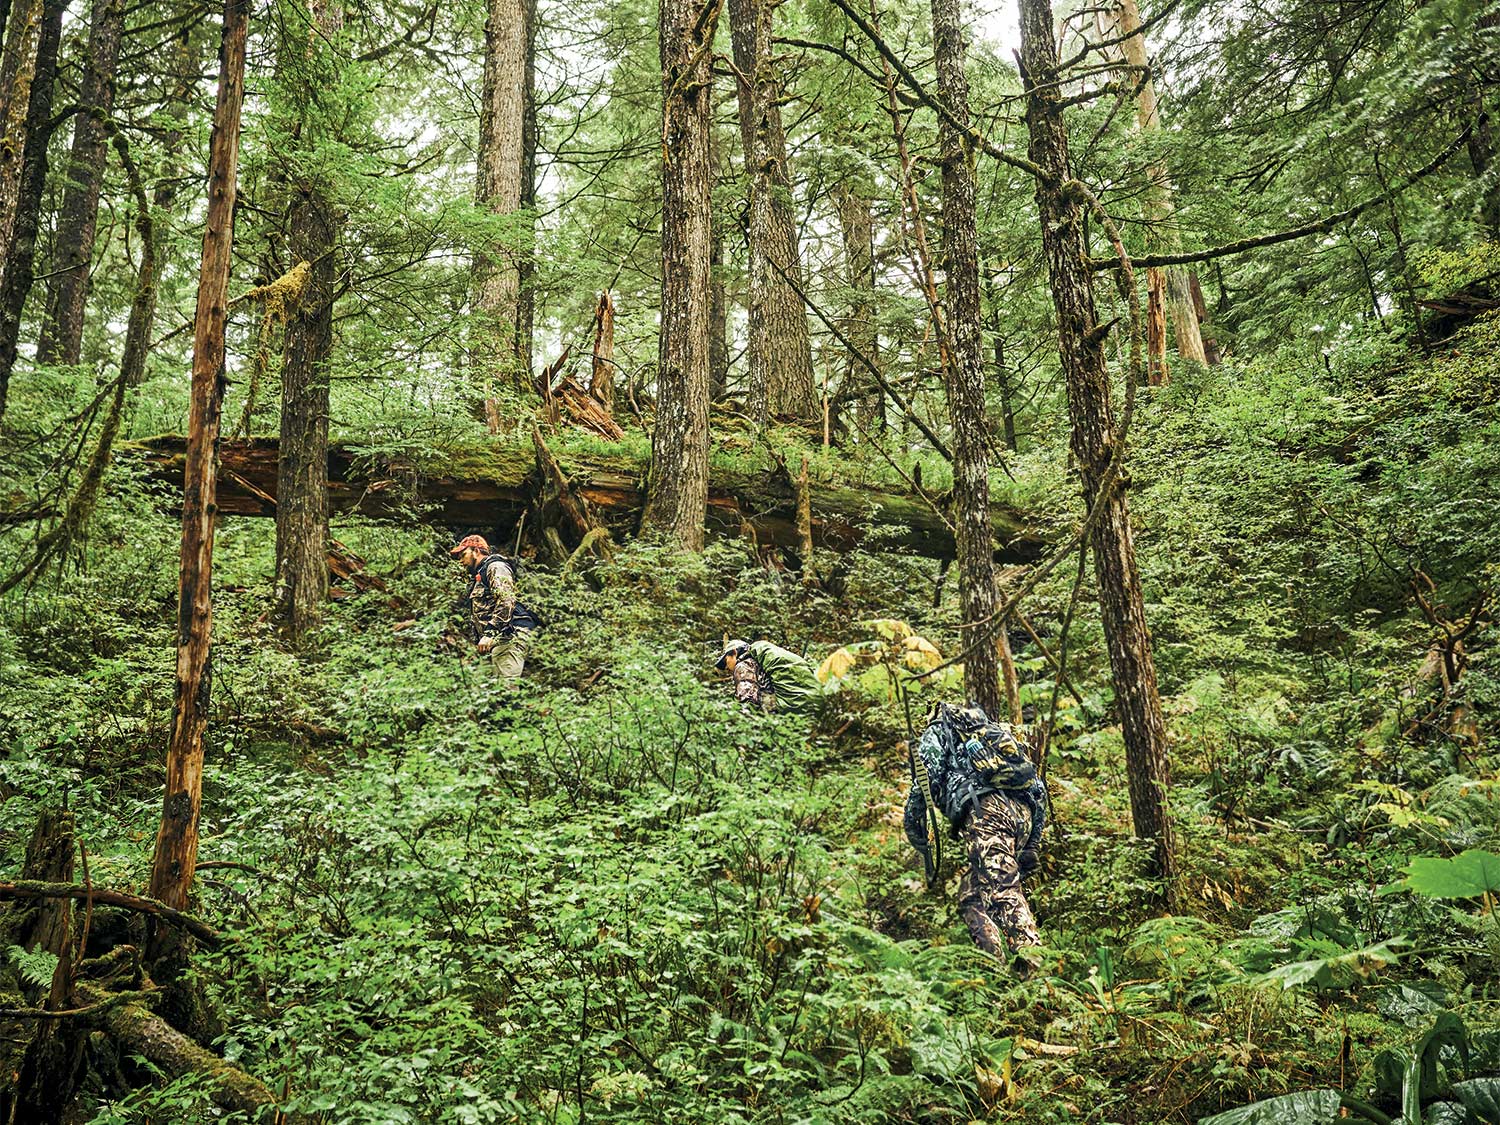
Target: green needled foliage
pixel 607 893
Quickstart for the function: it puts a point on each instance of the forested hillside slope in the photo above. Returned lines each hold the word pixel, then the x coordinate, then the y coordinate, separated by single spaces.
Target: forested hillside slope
pixel 1132 374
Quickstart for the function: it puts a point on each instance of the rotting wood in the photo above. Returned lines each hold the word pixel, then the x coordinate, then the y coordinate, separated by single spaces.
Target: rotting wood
pixel 143 1032
pixel 557 496
pixel 602 377
pixel 490 494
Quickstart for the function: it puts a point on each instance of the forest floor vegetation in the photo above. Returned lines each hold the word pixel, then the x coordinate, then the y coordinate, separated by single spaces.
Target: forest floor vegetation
pixel 609 894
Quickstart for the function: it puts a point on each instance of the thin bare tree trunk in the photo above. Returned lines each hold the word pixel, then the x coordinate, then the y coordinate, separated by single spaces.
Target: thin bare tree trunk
pixel 718 319
pixel 68 286
pixel 1081 344
pixel 963 374
pixel 501 188
pixel 780 354
pixel 677 495
pixel 1170 286
pixel 20 261
pixel 302 472
pixel 177 841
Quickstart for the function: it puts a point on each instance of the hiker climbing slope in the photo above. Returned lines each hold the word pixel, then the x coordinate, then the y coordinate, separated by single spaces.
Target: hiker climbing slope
pixel 975 774
pixel 503 627
pixel 770 678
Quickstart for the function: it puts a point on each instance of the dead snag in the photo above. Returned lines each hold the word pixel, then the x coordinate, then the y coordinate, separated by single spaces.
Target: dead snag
pixel 602 378
pixel 177 840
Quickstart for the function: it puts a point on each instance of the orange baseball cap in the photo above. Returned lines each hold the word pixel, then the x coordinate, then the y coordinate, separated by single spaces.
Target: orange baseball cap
pixel 478 542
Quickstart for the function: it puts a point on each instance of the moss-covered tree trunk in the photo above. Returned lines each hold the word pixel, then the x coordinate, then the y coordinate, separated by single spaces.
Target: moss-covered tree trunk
pixel 20 256
pixel 17 65
pixel 177 840
pixel 963 372
pixel 1132 667
pixel 677 496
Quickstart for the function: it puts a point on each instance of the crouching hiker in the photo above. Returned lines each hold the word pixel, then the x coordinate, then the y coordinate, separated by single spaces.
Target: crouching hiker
pixel 770 678
pixel 502 625
pixel 977 775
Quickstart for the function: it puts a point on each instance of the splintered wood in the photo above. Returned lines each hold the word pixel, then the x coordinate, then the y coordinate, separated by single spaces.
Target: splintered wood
pixel 561 394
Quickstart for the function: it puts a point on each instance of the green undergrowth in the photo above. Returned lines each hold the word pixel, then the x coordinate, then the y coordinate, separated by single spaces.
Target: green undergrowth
pixel 608 894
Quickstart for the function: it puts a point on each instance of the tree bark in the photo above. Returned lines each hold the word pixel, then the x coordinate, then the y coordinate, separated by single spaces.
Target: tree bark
pixel 68 287
pixel 17 66
pixel 501 188
pixel 1081 345
pixel 963 373
pixel 1171 285
pixel 857 227
pixel 780 354
pixel 20 260
pixel 177 840
pixel 302 477
pixel 677 497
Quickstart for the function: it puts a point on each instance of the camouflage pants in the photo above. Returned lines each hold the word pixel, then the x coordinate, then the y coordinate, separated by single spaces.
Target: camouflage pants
pixel 508 657
pixel 989 894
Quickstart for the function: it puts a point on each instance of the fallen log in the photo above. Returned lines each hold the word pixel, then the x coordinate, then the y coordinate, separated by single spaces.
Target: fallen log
pixel 490 494
pixel 140 1031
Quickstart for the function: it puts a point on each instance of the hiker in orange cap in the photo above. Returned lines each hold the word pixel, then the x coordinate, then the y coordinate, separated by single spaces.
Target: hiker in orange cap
pixel 502 625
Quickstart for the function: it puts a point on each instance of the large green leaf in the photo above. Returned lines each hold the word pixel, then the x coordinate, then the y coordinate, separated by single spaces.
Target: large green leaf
pixel 1448 1034
pixel 1307 1107
pixel 1481 1097
pixel 1470 875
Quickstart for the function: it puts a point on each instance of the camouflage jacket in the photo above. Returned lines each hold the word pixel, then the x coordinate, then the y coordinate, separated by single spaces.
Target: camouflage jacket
pixel 493 608
pixel 958 778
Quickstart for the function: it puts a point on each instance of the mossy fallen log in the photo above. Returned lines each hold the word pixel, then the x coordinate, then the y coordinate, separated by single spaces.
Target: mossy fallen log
pixel 490 497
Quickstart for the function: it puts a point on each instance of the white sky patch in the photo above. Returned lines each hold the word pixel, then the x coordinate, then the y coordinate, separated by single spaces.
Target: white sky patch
pixel 998 23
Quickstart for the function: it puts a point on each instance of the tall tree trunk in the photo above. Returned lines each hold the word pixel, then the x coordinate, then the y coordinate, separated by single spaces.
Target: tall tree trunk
pixel 1121 604
pixel 500 353
pixel 780 354
pixel 186 69
pixel 20 262
pixel 963 374
pixel 1171 285
pixel 17 65
pixel 858 229
pixel 68 286
pixel 526 267
pixel 302 471
pixel 177 841
pixel 677 496
pixel 718 317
